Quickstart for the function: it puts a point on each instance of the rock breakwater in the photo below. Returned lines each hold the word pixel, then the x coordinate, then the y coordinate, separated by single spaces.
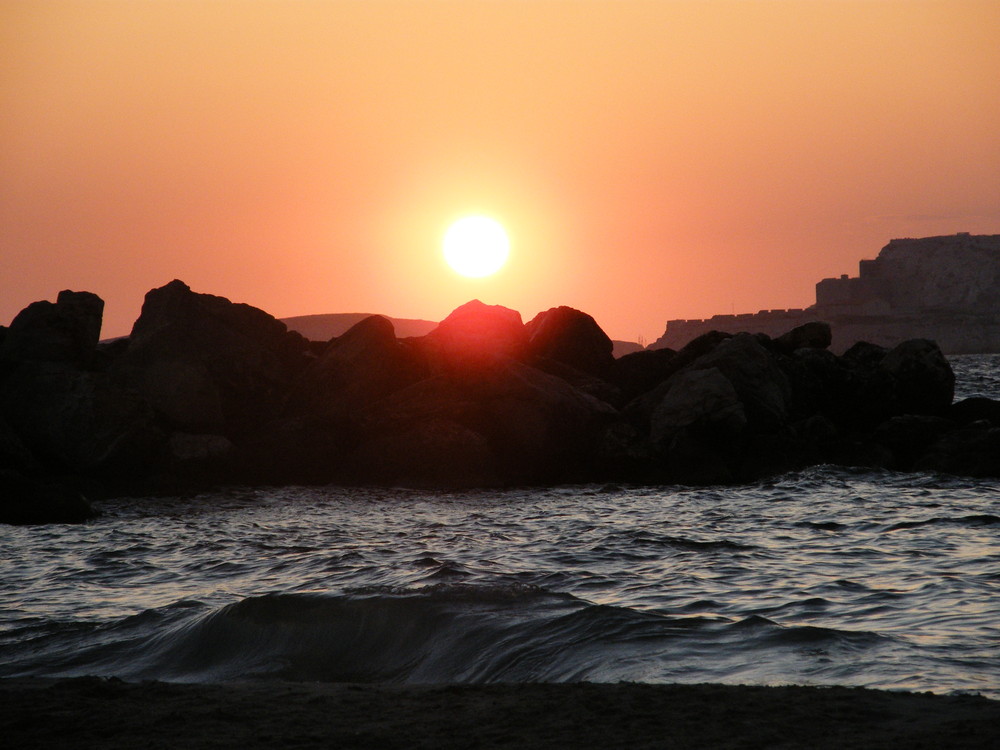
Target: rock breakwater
pixel 206 391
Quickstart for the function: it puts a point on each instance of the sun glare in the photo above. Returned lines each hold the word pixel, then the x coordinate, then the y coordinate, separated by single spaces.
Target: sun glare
pixel 476 246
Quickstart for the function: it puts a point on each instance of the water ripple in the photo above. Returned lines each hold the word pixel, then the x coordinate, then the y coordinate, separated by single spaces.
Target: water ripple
pixel 825 575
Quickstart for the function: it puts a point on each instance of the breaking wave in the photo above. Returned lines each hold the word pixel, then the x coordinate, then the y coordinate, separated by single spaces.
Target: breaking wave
pixel 443 633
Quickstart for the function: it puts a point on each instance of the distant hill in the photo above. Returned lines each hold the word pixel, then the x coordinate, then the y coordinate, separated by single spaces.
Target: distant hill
pixel 325 327
pixel 625 347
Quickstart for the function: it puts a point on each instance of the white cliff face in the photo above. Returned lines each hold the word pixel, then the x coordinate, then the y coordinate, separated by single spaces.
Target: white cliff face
pixel 958 274
pixel 942 288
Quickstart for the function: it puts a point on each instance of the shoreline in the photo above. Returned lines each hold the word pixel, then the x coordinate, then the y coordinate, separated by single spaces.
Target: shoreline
pixel 91 712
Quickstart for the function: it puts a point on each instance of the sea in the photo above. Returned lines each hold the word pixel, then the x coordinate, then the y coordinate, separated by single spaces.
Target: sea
pixel 824 576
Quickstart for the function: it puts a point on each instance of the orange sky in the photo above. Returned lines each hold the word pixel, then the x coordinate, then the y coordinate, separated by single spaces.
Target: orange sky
pixel 650 160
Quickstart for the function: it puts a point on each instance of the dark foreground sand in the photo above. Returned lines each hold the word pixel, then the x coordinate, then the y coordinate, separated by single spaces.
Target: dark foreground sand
pixel 97 713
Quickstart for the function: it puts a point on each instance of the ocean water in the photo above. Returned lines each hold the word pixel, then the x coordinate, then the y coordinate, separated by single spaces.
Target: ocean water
pixel 825 576
pixel 976 375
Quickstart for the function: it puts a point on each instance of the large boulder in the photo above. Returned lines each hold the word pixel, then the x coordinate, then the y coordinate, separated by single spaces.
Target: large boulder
pixel 208 365
pixel 571 337
pixel 973 450
pixel 357 369
pixel 812 335
pixel 909 436
pixel 66 331
pixel 924 382
pixel 912 378
pixel 59 408
pixel 701 402
pixel 761 385
pixel 640 372
pixel 697 426
pixel 535 427
pixel 26 501
pixel 820 383
pixel 14 454
pixel 660 368
pixel 474 336
pixel 974 409
pixel 434 451
pixel 78 421
pixel 320 425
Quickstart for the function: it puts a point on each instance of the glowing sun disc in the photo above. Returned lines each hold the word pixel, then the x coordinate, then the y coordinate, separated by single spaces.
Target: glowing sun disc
pixel 476 246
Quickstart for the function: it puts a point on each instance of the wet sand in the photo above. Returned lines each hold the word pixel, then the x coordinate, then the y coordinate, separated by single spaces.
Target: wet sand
pixel 99 713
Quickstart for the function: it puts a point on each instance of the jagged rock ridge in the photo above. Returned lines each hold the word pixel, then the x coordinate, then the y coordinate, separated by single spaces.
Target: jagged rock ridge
pixel 205 391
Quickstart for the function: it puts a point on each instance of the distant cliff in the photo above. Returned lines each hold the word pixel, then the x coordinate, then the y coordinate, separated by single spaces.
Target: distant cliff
pixel 942 288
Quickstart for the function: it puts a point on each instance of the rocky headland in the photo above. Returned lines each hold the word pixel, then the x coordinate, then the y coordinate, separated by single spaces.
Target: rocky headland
pixel 942 288
pixel 206 392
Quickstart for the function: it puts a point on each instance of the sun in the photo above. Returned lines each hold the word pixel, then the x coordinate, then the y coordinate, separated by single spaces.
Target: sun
pixel 476 246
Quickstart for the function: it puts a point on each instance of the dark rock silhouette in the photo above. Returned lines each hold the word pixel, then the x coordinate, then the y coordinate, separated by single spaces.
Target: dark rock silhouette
pixel 208 391
pixel 207 365
pixel 974 409
pixel 762 387
pixel 521 425
pixel 355 370
pixel 698 425
pixel 25 501
pixel 812 335
pixel 973 450
pixel 573 338
pixel 639 372
pixel 923 382
pixel 66 331
pixel 476 335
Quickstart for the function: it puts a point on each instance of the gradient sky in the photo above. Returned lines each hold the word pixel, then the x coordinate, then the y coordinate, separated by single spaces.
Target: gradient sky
pixel 650 160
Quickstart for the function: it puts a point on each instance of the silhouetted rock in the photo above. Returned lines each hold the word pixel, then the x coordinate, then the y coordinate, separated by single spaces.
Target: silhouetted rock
pixel 864 354
pixel 208 365
pixel 924 381
pixel 25 501
pixel 975 409
pixel 973 450
pixel 476 335
pixel 320 424
pixel 322 328
pixel 60 414
pixel 14 454
pixel 432 451
pixel 909 436
pixel 912 378
pixel 355 370
pixel 762 387
pixel 582 381
pixel 702 402
pixel 813 335
pixel 820 383
pixel 640 408
pixel 699 347
pixel 79 421
pixel 639 372
pixel 571 337
pixel 696 426
pixel 207 391
pixel 536 427
pixel 66 331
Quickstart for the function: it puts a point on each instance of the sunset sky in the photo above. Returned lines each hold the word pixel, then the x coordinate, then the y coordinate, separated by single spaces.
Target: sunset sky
pixel 649 160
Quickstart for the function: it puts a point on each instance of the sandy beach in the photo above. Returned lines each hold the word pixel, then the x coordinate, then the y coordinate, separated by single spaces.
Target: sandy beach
pixel 98 713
